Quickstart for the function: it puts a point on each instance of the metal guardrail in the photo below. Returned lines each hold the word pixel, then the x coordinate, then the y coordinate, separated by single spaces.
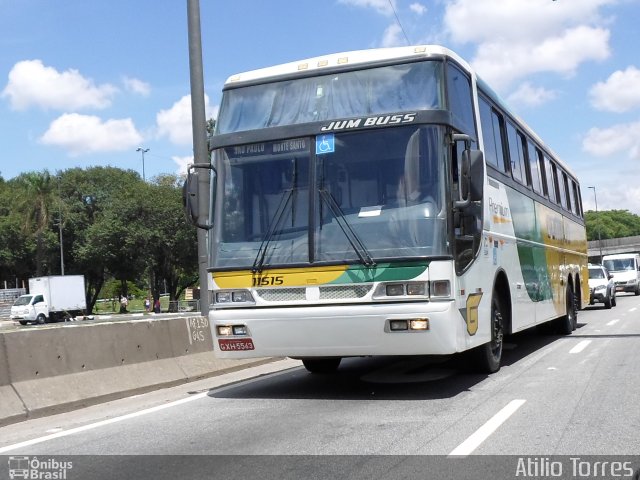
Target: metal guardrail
pixel 10 294
pixel 184 306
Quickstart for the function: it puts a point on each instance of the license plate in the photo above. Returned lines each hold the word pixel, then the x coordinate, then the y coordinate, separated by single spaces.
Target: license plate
pixel 235 344
pixel 619 289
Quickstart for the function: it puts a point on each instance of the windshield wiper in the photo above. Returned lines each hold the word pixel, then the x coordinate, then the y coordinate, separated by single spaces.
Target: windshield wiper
pixel 348 231
pixel 258 263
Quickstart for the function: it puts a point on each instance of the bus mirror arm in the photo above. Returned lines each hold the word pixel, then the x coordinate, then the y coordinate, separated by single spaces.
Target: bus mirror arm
pixel 190 197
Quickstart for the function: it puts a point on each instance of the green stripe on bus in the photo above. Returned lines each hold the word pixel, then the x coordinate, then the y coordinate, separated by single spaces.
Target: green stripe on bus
pixel 383 272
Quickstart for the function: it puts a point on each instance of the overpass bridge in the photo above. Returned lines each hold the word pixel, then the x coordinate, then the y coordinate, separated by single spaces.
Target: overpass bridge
pixel 612 246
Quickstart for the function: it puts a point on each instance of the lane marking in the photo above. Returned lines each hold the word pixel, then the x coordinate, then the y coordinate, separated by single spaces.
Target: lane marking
pixel 480 435
pixel 580 346
pixel 633 309
pixel 613 322
pixel 102 423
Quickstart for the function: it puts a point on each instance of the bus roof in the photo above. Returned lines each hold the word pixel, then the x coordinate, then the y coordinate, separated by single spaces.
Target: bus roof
pixel 357 58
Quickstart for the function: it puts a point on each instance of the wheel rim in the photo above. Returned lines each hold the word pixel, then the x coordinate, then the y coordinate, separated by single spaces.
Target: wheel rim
pixel 571 311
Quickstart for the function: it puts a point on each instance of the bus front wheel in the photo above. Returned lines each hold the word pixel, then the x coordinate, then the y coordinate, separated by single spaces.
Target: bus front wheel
pixel 321 365
pixel 486 358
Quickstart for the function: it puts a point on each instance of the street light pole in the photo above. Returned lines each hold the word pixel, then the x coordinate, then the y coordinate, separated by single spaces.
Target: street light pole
pixel 142 151
pixel 60 229
pixel 595 197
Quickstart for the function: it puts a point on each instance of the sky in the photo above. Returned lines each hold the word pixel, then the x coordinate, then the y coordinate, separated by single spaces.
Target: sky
pixel 86 82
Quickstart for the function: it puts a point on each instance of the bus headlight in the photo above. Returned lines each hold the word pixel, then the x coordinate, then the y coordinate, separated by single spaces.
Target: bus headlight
pixel 394 289
pixel 409 290
pixel 228 297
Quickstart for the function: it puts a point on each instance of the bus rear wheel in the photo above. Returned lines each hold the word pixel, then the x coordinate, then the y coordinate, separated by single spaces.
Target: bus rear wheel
pixel 487 357
pixel 569 322
pixel 322 365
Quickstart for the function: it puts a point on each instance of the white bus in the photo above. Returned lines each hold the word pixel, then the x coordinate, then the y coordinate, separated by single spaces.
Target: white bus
pixel 385 202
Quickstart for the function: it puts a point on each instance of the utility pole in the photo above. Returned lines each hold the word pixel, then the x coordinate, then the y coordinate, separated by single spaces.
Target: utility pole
pixel 200 147
pixel 142 151
pixel 595 197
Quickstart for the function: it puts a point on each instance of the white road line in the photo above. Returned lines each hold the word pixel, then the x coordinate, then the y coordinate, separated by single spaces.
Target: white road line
pixel 580 346
pixel 480 435
pixel 633 309
pixel 102 423
pixel 613 322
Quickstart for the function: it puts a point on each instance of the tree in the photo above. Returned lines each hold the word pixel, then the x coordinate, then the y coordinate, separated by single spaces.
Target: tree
pixel 611 224
pixel 103 224
pixel 36 201
pixel 172 243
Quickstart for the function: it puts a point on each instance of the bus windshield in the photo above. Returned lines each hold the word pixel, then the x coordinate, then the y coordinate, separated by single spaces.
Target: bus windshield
pixel 395 88
pixel 379 195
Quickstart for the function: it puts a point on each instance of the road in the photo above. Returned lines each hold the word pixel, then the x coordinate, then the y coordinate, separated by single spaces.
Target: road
pixel 566 396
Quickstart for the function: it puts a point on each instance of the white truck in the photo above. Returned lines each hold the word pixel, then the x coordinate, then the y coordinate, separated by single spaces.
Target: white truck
pixel 625 268
pixel 51 299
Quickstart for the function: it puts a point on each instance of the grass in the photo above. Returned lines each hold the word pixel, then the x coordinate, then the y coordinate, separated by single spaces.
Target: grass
pixel 136 305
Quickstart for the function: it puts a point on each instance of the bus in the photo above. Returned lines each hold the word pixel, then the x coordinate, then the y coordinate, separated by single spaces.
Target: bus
pixel 384 202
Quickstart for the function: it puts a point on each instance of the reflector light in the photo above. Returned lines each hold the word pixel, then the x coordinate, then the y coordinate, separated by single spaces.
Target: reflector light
pixel 440 288
pixel 239 330
pixel 396 325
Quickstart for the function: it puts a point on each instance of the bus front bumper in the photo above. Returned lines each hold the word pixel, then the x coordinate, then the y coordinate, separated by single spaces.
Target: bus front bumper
pixel 341 330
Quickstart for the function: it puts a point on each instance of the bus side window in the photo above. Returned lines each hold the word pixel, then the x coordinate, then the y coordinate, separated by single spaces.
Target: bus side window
pixel 460 100
pixel 515 153
pixel 534 166
pixel 488 135
pixel 551 184
pixel 577 202
pixel 562 182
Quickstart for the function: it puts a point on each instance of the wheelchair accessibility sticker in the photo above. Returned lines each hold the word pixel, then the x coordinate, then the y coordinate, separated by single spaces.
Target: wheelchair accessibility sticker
pixel 325 144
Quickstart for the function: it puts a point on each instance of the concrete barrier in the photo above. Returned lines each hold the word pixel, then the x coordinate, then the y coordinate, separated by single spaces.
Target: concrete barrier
pixel 58 368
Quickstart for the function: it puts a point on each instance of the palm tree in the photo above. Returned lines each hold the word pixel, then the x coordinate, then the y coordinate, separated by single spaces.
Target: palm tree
pixel 37 203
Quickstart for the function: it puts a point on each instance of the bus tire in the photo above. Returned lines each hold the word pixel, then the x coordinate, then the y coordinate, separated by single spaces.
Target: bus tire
pixel 568 322
pixel 322 365
pixel 486 358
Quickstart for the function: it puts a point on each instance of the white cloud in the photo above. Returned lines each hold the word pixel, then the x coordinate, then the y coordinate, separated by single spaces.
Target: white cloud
pixel 82 134
pixel 531 96
pixel 418 9
pixel 393 36
pixel 182 163
pixel 622 140
pixel 137 86
pixel 520 37
pixel 175 123
pixel 33 84
pixel 620 93
pixel 381 6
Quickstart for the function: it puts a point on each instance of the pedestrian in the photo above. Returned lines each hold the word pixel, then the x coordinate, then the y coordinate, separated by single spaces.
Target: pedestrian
pixel 147 305
pixel 124 303
pixel 156 306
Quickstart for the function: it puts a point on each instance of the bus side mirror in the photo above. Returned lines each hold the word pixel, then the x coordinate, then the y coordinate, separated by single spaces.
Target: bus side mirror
pixel 471 180
pixel 191 201
pixel 476 180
